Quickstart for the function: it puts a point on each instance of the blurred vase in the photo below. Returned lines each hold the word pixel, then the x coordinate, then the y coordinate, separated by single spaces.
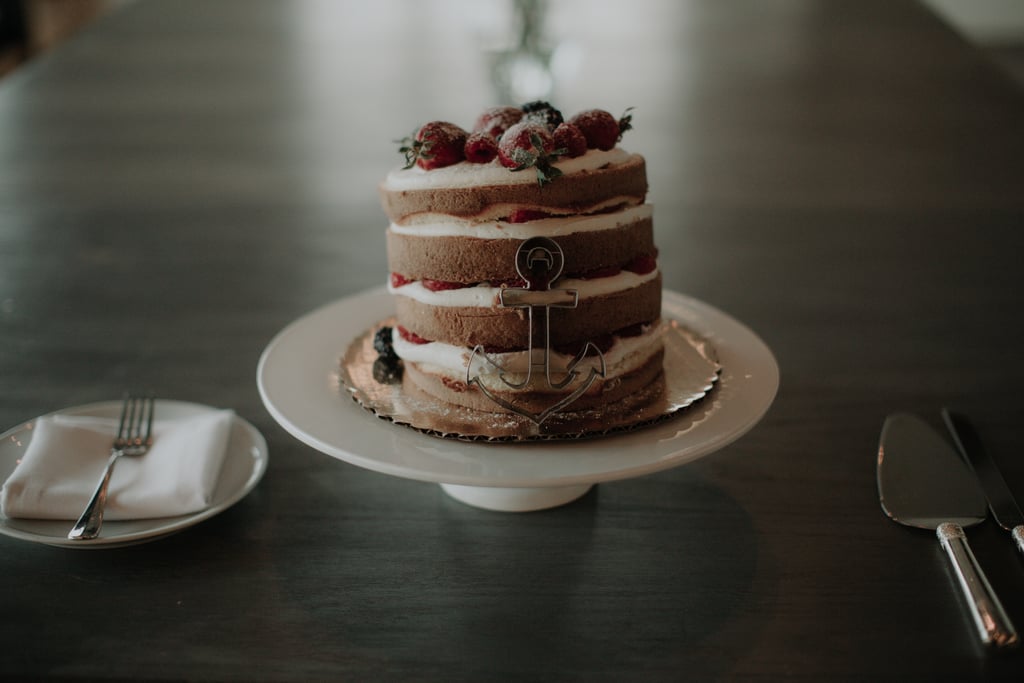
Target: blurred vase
pixel 522 72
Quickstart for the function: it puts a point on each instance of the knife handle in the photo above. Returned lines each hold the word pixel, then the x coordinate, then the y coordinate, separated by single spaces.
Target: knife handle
pixel 994 627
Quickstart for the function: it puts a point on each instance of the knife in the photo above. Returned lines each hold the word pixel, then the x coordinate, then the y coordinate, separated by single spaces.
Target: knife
pixel 923 483
pixel 1000 500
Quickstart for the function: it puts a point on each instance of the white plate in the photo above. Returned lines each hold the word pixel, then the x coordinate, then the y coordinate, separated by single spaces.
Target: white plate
pixel 299 381
pixel 244 465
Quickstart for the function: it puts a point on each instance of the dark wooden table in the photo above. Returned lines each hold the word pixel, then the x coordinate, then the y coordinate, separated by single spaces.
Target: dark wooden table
pixel 846 178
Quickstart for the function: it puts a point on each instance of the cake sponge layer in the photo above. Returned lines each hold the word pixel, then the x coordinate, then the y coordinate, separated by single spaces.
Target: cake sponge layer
pixel 509 328
pixel 470 260
pixel 602 392
pixel 580 192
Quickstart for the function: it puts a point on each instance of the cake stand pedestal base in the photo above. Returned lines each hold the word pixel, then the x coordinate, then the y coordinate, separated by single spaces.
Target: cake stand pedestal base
pixel 525 499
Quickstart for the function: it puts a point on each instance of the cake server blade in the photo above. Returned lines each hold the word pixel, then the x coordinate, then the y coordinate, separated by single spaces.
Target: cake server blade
pixel 1000 500
pixel 923 483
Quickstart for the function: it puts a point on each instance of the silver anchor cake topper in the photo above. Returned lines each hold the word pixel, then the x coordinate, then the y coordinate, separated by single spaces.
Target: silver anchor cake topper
pixel 539 262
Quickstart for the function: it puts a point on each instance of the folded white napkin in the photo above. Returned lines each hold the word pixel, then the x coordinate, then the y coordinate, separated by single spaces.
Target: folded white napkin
pixel 64 461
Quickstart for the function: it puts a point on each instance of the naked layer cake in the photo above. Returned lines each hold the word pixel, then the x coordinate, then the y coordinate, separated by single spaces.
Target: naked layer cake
pixel 522 263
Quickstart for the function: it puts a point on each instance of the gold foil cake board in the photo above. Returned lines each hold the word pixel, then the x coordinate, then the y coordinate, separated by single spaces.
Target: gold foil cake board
pixel 690 372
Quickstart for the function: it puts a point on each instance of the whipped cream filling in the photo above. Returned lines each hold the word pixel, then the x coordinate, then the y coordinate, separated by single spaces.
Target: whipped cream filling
pixel 555 226
pixel 447 360
pixel 486 296
pixel 497 212
pixel 465 174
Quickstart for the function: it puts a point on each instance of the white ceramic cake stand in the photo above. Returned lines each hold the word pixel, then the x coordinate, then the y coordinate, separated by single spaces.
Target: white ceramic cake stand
pixel 298 377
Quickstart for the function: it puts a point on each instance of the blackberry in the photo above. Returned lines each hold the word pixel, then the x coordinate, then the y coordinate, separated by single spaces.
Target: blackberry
pixel 382 343
pixel 542 112
pixel 387 370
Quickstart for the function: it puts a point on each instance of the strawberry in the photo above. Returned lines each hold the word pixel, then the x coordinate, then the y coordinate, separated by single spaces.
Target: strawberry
pixel 642 265
pixel 398 280
pixel 497 120
pixel 480 148
pixel 411 337
pixel 435 145
pixel 570 138
pixel 542 112
pixel 526 215
pixel 441 285
pixel 600 128
pixel 529 145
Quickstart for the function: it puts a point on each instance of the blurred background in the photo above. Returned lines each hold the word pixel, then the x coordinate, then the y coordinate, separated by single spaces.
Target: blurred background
pixel 30 27
pixel 997 26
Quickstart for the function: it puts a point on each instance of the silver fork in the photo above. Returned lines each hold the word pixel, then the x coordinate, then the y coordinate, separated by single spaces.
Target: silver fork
pixel 134 437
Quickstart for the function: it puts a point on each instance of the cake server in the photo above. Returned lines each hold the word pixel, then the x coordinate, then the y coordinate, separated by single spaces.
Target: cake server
pixel 1000 500
pixel 923 483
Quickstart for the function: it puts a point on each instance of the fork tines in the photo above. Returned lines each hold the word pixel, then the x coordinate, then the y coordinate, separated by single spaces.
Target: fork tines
pixel 137 430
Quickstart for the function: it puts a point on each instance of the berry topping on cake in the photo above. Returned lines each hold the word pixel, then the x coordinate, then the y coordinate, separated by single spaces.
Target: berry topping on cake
pixel 571 139
pixel 600 128
pixel 642 265
pixel 526 215
pixel 382 342
pixel 387 370
pixel 398 280
pixel 435 145
pixel 542 112
pixel 440 285
pixel 496 120
pixel 411 337
pixel 387 367
pixel 480 148
pixel 531 136
pixel 529 145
